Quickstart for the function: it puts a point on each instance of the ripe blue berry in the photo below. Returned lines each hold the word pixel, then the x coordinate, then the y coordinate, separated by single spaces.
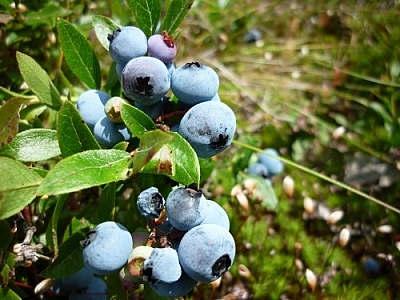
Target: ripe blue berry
pixel 208 127
pixel 90 105
pixel 150 203
pixel 194 83
pixel 162 46
pixel 176 289
pixel 216 215
pixel 258 169
pixel 206 252
pixel 145 80
pixel 77 281
pixel 109 134
pixel 274 165
pixel 185 208
pixel 153 110
pixel 107 248
pixel 126 43
pixel 162 265
pixel 97 290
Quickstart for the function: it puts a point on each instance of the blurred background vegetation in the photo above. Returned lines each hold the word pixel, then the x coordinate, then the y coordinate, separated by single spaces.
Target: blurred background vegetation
pixel 317 80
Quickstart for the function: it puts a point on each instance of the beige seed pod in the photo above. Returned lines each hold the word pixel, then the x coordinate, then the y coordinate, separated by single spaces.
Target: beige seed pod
pixel 138 255
pixel 244 271
pixel 385 229
pixel 334 217
pixel 43 286
pixel 338 132
pixel 299 265
pixel 288 186
pixel 309 205
pixel 311 279
pixel 236 189
pixel 243 201
pixel 250 186
pixel 344 237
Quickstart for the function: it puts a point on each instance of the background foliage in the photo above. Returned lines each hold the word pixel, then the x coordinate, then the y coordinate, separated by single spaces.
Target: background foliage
pixel 321 84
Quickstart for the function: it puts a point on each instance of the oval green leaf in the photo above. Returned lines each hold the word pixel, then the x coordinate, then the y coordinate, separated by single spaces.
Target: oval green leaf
pixel 136 120
pixel 147 14
pixel 177 160
pixel 73 134
pixel 177 11
pixel 33 145
pixel 79 54
pixel 9 118
pixel 84 170
pixel 69 260
pixel 38 81
pixel 17 188
pixel 103 26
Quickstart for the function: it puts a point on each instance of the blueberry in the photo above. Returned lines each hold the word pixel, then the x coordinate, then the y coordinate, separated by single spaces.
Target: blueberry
pixel 371 266
pixel 126 43
pixel 185 208
pixel 118 69
pixel 109 134
pixel 150 203
pixel 206 252
pixel 90 105
pixel 274 165
pixel 258 169
pixel 97 290
pixel 208 127
pixel 194 83
pixel 145 80
pixel 107 248
pixel 216 215
pixel 162 46
pixel 153 110
pixel 162 265
pixel 216 98
pixel 77 281
pixel 171 67
pixel 176 289
pixel 252 36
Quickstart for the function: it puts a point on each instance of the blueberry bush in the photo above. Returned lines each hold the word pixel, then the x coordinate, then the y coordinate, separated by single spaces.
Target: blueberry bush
pixel 201 150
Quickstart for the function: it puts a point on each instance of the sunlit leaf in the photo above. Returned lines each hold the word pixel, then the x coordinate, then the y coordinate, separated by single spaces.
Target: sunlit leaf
pixel 147 14
pixel 103 26
pixel 17 188
pixel 33 145
pixel 84 170
pixel 136 120
pixel 73 135
pixel 79 54
pixel 38 81
pixel 176 13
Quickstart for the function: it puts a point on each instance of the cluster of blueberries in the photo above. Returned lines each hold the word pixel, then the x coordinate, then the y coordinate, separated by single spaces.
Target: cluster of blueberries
pixel 148 78
pixel 266 165
pixel 196 247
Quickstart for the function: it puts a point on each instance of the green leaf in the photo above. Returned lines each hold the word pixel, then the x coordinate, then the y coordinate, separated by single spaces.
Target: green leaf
pixel 52 230
pixel 176 13
pixel 84 170
pixel 147 14
pixel 17 188
pixel 33 145
pixel 8 294
pixel 177 160
pixel 8 268
pixel 107 203
pixel 38 81
pixel 150 143
pixel 79 54
pixel 69 260
pixel 103 26
pixel 9 118
pixel 264 192
pixel 48 15
pixel 73 135
pixel 136 120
